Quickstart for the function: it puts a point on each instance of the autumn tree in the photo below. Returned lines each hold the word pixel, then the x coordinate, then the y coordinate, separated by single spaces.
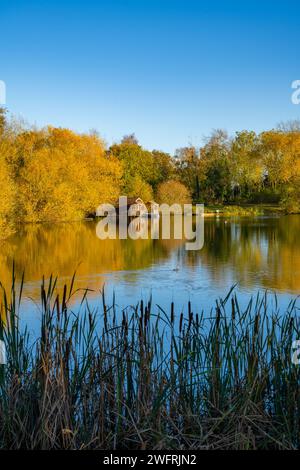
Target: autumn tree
pixel 129 139
pixel 3 112
pixel 8 191
pixel 62 175
pixel 136 162
pixel 281 154
pixel 246 165
pixel 173 192
pixel 139 188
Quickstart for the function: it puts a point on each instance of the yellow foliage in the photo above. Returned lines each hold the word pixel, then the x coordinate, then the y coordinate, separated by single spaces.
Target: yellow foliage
pixel 140 188
pixel 281 152
pixel 173 192
pixel 7 194
pixel 63 175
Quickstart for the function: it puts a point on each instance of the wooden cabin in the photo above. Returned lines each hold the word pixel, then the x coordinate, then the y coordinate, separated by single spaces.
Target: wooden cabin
pixel 153 209
pixel 134 207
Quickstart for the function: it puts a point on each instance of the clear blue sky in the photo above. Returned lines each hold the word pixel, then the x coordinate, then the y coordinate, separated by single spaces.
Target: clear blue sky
pixel 168 70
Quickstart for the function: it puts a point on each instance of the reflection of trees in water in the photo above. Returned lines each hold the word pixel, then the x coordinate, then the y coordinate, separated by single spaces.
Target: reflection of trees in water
pixel 250 251
pixel 264 251
pixel 59 249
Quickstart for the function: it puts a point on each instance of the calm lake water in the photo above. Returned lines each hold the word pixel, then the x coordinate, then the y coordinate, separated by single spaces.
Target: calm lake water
pixel 256 253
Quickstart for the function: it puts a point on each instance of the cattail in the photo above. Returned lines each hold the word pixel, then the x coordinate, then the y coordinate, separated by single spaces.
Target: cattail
pixel 180 322
pixel 232 309
pixel 172 314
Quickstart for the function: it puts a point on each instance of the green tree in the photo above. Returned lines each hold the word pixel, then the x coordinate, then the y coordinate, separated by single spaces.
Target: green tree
pixel 164 167
pixel 135 162
pixel 188 169
pixel 216 181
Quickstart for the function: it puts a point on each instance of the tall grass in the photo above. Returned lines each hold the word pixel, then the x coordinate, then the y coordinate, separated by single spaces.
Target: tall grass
pixel 144 378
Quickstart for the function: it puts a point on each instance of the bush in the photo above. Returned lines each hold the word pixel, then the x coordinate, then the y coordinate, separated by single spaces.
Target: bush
pixel 291 199
pixel 267 196
pixel 173 192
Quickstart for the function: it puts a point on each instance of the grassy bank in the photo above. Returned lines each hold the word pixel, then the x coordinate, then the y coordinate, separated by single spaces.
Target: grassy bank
pixel 243 210
pixel 143 378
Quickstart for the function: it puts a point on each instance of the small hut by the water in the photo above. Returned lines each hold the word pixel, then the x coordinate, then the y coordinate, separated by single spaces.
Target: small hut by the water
pixel 136 207
pixel 133 207
pixel 152 209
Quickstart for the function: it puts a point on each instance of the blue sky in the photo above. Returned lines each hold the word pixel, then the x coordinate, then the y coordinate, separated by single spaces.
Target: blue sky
pixel 168 70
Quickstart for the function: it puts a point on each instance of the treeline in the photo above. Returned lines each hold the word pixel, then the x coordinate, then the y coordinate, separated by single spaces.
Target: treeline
pixel 248 168
pixel 55 174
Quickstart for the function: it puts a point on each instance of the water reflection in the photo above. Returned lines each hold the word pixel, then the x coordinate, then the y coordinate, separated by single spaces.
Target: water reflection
pixel 262 252
pixel 259 252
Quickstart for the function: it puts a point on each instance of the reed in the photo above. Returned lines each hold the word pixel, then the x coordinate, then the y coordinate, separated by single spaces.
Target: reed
pixel 144 378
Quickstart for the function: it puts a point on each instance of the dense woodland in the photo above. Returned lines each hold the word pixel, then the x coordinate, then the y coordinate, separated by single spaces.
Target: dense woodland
pixel 53 174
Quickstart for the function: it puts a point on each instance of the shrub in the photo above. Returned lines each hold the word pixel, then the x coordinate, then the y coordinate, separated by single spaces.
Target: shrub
pixel 173 192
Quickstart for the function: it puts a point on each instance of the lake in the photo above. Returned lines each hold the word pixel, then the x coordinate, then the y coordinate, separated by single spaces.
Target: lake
pixel 255 253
